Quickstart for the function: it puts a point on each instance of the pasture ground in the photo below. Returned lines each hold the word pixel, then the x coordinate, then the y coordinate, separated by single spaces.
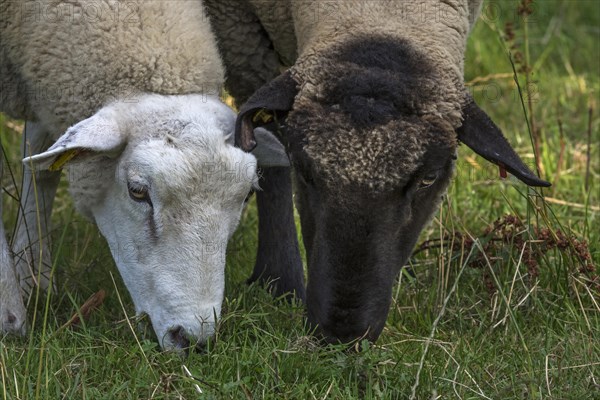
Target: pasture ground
pixel 501 302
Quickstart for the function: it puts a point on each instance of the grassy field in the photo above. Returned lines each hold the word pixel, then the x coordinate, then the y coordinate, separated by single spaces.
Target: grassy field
pixel 503 302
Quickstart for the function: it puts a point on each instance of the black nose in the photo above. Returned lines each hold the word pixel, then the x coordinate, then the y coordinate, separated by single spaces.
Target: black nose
pixel 345 337
pixel 349 330
pixel 179 337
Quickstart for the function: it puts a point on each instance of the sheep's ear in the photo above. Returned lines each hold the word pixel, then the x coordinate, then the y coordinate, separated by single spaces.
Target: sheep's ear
pixel 486 139
pixel 98 134
pixel 270 103
pixel 269 151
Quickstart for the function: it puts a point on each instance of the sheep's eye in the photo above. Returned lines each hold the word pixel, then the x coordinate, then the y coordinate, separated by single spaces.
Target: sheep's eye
pixel 427 181
pixel 138 193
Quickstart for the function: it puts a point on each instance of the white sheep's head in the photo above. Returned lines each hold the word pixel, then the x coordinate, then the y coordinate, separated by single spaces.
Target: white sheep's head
pixel 165 185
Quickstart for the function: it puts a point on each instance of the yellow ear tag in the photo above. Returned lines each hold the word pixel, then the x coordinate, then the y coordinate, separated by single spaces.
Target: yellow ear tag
pixel 263 116
pixel 63 159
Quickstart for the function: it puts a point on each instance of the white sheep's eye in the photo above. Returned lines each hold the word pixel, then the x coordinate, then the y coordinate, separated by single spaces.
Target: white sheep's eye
pixel 427 181
pixel 138 193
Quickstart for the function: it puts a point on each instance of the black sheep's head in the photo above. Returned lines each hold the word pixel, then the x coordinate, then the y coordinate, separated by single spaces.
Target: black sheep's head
pixel 372 138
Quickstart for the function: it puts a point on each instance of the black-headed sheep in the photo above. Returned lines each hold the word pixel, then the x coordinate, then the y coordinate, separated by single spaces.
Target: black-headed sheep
pixel 371 113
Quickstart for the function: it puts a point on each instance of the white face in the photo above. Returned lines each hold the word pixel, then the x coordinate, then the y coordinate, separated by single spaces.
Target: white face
pixel 176 197
pixel 167 217
pixel 166 190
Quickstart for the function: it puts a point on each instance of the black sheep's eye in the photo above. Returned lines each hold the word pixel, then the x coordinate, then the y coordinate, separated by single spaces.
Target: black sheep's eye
pixel 139 193
pixel 427 181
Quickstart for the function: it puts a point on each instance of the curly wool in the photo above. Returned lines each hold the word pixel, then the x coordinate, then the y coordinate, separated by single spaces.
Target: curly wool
pixel 62 61
pixel 369 116
pixel 379 82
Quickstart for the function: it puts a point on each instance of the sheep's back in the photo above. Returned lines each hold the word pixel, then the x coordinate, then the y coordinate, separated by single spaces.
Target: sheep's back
pixel 66 60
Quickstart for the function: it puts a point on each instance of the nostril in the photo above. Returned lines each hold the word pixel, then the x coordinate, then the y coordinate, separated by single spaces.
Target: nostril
pixel 11 323
pixel 179 337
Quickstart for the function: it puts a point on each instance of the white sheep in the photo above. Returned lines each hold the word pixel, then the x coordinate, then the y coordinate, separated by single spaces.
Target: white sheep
pixel 150 151
pixel 370 111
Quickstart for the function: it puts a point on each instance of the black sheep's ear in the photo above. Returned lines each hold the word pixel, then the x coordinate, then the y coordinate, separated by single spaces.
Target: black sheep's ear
pixel 486 139
pixel 268 104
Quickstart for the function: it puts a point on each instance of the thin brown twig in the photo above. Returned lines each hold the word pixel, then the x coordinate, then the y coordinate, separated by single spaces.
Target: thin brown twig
pixel 490 77
pixel 571 204
pixel 85 311
pixel 589 147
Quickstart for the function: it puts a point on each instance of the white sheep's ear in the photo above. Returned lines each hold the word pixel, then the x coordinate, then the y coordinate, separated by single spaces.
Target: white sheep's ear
pixel 98 134
pixel 269 151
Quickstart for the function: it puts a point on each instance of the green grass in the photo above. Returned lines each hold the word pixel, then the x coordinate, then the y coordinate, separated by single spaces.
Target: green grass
pixel 467 326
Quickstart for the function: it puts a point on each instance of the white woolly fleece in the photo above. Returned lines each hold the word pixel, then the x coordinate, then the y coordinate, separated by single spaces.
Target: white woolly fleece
pixel 60 61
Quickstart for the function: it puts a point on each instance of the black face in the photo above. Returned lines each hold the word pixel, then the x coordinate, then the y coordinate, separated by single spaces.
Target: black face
pixel 356 243
pixel 371 164
pixel 372 138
